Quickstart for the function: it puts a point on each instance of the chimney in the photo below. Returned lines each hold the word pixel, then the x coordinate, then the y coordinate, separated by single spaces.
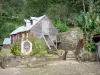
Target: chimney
pixel 31 21
pixel 34 20
pixel 27 22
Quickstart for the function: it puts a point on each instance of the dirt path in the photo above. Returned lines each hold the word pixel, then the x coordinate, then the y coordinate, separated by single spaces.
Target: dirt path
pixel 57 68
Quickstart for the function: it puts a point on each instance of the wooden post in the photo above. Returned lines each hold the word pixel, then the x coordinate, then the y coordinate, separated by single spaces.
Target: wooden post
pixel 56 41
pixel 27 35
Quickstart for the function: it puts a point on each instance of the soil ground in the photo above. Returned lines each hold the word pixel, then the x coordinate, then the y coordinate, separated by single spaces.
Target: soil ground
pixel 70 67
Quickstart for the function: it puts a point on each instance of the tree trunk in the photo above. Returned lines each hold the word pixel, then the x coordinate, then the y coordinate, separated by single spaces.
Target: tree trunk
pixel 91 36
pixel 84 38
pixel 83 5
pixel 64 56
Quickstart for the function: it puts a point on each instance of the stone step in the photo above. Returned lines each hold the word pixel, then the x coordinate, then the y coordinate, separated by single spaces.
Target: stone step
pixel 70 58
pixel 70 52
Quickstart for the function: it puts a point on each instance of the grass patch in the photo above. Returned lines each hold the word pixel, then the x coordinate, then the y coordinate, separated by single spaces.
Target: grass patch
pixel 5 52
pixel 38 48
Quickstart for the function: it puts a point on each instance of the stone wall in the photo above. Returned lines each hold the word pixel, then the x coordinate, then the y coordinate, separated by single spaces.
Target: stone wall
pixel 13 61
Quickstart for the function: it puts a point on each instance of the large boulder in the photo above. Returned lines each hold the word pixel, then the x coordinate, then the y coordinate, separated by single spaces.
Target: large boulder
pixel 69 40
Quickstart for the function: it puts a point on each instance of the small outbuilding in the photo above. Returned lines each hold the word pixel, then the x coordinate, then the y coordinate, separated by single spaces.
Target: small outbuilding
pixel 6 43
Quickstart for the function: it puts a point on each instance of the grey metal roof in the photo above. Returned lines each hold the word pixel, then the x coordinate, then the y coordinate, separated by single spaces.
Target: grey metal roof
pixel 27 27
pixel 7 41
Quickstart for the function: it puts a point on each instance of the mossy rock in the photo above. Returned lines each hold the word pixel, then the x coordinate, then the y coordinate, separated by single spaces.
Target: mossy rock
pixel 86 56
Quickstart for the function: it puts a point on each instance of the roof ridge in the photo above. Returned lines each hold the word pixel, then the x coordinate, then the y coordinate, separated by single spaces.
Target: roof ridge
pixel 25 28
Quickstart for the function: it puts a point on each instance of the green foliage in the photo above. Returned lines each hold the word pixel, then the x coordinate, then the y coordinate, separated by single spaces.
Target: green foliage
pixel 12 12
pixel 90 46
pixel 5 52
pixel 12 7
pixel 15 50
pixel 97 30
pixel 36 7
pixel 39 48
pixel 61 27
pixel 56 9
pixel 87 21
pixel 9 16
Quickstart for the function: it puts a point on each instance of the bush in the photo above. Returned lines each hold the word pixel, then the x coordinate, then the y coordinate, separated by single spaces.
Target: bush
pixel 61 27
pixel 38 48
pixel 5 52
pixel 90 46
pixel 15 50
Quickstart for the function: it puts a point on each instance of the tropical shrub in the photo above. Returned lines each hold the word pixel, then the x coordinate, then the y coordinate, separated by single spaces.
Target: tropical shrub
pixel 15 50
pixel 61 26
pixel 5 52
pixel 38 48
pixel 89 23
pixel 97 30
pixel 90 46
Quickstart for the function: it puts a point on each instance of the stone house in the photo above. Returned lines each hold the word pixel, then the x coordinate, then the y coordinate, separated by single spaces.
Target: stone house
pixel 35 27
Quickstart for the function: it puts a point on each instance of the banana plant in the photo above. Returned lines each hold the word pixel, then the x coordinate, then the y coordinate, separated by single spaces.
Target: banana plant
pixel 88 22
